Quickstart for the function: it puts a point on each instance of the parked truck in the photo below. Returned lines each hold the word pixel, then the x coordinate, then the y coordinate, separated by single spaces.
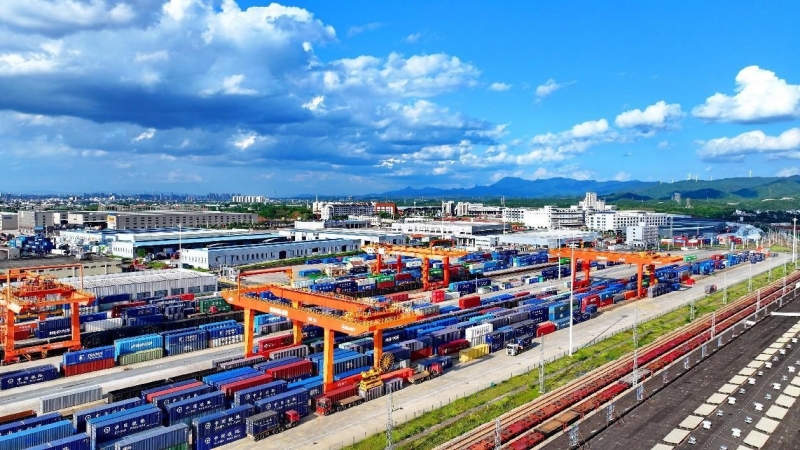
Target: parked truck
pixel 338 400
pixel 519 345
pixel 268 423
pixel 710 289
pixel 432 371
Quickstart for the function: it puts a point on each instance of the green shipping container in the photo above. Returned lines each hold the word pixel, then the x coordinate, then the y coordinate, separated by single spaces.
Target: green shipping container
pixel 436 271
pixel 384 278
pixel 147 355
pixel 205 305
pixel 564 260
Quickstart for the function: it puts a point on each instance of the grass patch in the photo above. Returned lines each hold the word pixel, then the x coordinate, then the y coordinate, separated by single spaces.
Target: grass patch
pixel 477 409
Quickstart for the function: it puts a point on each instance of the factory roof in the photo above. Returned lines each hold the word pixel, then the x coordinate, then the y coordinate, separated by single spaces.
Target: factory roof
pixel 148 276
pixel 48 261
pixel 165 212
pixel 171 236
pixel 346 231
pixel 268 244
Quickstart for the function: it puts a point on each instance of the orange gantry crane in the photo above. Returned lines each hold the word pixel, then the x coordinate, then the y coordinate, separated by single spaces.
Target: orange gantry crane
pixel 381 250
pixel 27 291
pixel 642 260
pixel 299 305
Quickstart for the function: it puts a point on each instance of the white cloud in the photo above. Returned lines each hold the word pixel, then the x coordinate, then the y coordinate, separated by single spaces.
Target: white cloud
pixel 160 55
pixel 315 103
pixel 737 147
pixel 61 17
pixel 358 29
pixel 499 87
pixel 663 144
pixel 440 170
pixel 656 116
pixel 93 153
pixel 231 85
pixel 622 176
pixel 590 128
pixel 760 97
pixel 413 38
pixel 547 88
pixel 147 134
pixel 788 172
pixel 179 176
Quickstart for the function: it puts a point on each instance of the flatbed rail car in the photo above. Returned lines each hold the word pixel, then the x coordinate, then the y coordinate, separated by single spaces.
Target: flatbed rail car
pixel 520 429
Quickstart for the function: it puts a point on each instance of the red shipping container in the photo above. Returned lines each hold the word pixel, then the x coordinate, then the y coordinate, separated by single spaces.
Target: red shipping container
pixel 291 370
pixel 522 294
pixel 385 285
pixel 88 367
pixel 398 297
pixel 452 347
pixel 232 388
pixel 437 296
pixel 149 397
pixel 275 342
pixel 116 310
pixel 421 353
pixel 26 326
pixel 402 277
pixel 607 302
pixel 630 294
pixel 339 394
pixel 187 297
pixel 346 382
pixel 21 335
pixel 469 302
pixel 545 328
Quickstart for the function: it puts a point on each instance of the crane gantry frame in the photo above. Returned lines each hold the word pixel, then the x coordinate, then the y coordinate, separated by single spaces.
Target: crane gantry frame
pixel 641 259
pixel 297 304
pixel 29 291
pixel 381 250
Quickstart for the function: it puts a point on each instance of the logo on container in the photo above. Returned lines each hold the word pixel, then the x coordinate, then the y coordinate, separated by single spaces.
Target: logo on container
pixel 278 311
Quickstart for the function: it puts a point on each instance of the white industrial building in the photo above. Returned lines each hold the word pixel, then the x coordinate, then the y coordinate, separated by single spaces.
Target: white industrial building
pixel 28 220
pixel 151 283
pixel 237 255
pixel 427 227
pixel 641 235
pixel 86 217
pixel 620 220
pixel 97 265
pixel 546 239
pixel 249 199
pixel 591 203
pixel 330 210
pixel 550 217
pixel 164 219
pixel 9 221
pixel 363 236
pixel 323 224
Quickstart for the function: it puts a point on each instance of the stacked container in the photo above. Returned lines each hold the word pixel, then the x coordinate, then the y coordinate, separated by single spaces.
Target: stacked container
pixel 220 428
pixel 28 376
pixel 171 437
pixel 90 360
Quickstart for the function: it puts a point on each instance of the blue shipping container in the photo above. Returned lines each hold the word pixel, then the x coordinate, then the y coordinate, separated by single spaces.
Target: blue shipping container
pixel 296 399
pixel 253 394
pixel 77 442
pixel 88 355
pixel 25 377
pixel 197 405
pixel 79 418
pixel 223 437
pixel 160 438
pixel 137 344
pixel 37 436
pixel 13 427
pixel 117 427
pixel 218 422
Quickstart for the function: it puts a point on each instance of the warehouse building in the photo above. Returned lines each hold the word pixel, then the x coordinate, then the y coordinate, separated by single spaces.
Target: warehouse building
pixel 363 236
pixel 151 283
pixel 322 224
pixel 551 218
pixel 9 221
pixel 163 219
pixel 546 239
pixel 331 210
pixel 87 218
pixel 237 255
pixel 427 227
pixel 642 235
pixel 29 220
pixel 97 265
pixel 127 243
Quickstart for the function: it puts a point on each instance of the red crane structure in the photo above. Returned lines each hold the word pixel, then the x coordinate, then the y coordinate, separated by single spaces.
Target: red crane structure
pixel 299 305
pixel 643 260
pixel 28 291
pixel 384 250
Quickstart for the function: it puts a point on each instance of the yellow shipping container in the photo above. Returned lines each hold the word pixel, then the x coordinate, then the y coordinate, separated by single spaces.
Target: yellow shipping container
pixel 473 353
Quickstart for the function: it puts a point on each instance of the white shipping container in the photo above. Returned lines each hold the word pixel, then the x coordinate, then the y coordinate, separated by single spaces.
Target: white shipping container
pixel 476 266
pixel 100 325
pixel 302 283
pixel 229 340
pixel 413 264
pixel 325 280
pixel 365 281
pixel 57 402
pixel 452 295
pixel 478 331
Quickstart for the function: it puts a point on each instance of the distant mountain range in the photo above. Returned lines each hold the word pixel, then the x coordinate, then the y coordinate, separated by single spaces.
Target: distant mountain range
pixel 511 187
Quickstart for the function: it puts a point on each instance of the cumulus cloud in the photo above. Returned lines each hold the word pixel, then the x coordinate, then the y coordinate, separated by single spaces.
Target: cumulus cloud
pixel 413 38
pixel 657 116
pixel 148 134
pixel 752 142
pixel 663 144
pixel 788 172
pixel 622 176
pixel 56 18
pixel 760 97
pixel 499 87
pixel 358 29
pixel 544 90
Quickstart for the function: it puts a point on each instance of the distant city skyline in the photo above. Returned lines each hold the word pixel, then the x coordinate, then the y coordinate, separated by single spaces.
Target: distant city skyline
pixel 309 97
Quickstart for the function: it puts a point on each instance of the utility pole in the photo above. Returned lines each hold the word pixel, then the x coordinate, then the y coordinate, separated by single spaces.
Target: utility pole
pixel 497 433
pixel 390 423
pixel 541 368
pixel 794 241
pixel 725 288
pixel 573 267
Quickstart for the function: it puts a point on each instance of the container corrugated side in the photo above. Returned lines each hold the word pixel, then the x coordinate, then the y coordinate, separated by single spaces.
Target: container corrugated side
pixel 118 427
pixel 13 427
pixel 224 437
pixel 196 405
pixel 219 422
pixel 147 355
pixel 37 436
pixel 80 417
pixel 69 399
pixel 78 442
pixel 158 438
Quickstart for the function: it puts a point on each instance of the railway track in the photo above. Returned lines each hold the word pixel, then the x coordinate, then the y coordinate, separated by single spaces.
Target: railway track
pixel 530 425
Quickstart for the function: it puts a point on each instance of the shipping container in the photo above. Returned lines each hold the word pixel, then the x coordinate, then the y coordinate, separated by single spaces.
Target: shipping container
pixel 84 356
pixel 253 394
pixel 222 438
pixel 155 439
pixel 37 436
pixel 118 426
pixel 191 406
pixel 181 394
pixel 217 423
pixel 145 394
pixel 32 375
pixel 76 442
pixel 296 399
pixel 56 402
pixel 138 357
pixel 137 344
pixel 28 423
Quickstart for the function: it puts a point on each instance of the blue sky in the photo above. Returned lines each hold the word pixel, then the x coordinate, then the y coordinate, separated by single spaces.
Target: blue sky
pixel 318 97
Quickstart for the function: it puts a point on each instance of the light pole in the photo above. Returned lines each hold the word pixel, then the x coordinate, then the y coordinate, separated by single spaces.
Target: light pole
pixel 571 295
pixel 750 280
pixel 794 241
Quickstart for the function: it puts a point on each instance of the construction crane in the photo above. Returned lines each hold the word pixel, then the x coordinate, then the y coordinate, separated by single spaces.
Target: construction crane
pixel 299 305
pixel 381 250
pixel 28 292
pixel 643 260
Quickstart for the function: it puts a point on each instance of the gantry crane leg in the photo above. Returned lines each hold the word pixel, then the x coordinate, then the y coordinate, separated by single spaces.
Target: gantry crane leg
pixel 446 271
pixel 639 277
pixel 297 332
pixel 378 349
pixel 249 332
pixel 327 374
pixel 587 268
pixel 426 273
pixel 573 272
pixel 378 263
pixel 76 326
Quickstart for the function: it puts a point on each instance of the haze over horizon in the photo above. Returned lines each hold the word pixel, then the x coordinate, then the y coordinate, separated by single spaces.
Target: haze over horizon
pixel 259 98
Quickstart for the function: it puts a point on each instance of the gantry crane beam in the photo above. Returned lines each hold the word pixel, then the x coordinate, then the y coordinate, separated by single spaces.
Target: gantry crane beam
pixel 380 250
pixel 641 259
pixel 28 290
pixel 356 318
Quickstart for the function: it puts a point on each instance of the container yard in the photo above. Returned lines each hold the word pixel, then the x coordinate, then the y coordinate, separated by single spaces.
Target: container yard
pixel 283 380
